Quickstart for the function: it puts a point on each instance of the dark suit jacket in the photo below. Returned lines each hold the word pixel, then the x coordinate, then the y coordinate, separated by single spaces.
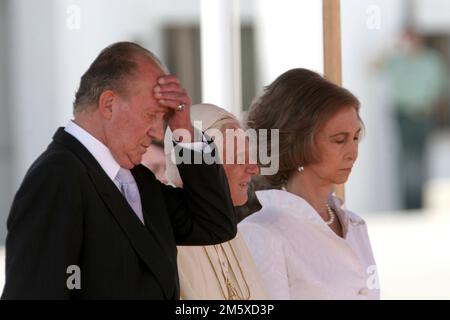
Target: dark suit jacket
pixel 68 212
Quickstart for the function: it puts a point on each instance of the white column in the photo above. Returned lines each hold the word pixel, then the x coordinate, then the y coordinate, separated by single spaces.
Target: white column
pixel 32 81
pixel 220 49
pixel 288 35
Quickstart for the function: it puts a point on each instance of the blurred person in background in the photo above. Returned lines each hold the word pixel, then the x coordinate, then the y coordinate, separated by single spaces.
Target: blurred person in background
pixel 304 241
pixel 418 81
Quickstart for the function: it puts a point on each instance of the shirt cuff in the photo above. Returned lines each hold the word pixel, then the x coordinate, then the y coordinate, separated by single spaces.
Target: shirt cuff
pixel 198 146
pixel 195 146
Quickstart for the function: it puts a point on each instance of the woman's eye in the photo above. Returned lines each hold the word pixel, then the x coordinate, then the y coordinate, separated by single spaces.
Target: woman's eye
pixel 340 141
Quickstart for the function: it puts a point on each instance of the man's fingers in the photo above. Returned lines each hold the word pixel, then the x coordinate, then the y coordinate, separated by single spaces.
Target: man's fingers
pixel 168 79
pixel 171 96
pixel 169 87
pixel 172 104
pixel 169 92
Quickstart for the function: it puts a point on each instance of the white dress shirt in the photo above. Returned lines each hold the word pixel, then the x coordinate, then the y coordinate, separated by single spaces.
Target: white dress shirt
pixel 99 151
pixel 300 257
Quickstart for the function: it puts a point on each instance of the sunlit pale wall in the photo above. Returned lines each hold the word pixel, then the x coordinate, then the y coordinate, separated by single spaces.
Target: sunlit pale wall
pixel 433 15
pixel 5 126
pixel 368 29
pixel 220 54
pixel 289 35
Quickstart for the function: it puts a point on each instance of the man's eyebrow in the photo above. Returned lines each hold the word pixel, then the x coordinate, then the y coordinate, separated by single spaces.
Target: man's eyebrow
pixel 344 133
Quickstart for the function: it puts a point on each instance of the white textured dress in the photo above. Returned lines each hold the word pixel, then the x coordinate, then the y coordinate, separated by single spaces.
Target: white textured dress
pixel 300 257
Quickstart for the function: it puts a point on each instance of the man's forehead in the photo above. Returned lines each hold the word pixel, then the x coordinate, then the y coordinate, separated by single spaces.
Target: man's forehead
pixel 150 68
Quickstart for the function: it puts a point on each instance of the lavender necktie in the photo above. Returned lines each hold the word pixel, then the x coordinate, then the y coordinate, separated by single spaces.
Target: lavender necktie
pixel 130 191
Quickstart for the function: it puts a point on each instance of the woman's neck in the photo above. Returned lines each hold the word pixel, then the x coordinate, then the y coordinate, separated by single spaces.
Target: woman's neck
pixel 312 189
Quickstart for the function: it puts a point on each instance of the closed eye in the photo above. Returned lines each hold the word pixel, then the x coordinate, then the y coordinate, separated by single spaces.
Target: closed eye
pixel 342 141
pixel 343 136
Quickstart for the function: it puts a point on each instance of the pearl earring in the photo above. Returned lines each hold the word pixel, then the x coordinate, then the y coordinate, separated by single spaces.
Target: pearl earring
pixel 301 168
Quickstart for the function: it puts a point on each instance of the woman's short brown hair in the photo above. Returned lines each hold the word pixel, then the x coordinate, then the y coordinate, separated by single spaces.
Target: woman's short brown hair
pixel 298 103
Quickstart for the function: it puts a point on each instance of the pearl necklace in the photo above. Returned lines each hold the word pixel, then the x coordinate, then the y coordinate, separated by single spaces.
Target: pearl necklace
pixel 331 214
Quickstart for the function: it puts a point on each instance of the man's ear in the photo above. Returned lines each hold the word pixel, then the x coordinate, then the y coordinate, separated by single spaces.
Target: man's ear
pixel 106 102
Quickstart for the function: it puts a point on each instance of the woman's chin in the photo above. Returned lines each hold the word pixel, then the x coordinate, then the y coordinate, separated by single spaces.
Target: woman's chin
pixel 341 179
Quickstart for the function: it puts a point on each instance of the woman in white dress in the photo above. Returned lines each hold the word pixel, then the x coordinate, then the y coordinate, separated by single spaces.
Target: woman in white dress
pixel 306 244
pixel 225 271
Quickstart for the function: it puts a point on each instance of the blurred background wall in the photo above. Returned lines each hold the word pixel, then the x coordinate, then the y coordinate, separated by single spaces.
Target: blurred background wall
pixel 225 52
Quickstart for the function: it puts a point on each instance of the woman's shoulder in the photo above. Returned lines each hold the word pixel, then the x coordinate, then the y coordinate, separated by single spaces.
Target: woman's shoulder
pixel 264 221
pixel 260 222
pixel 354 219
pixel 280 211
pixel 269 215
pixel 357 228
pixel 350 215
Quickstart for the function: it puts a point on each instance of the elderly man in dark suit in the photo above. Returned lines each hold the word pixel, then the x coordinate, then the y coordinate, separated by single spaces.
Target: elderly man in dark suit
pixel 89 221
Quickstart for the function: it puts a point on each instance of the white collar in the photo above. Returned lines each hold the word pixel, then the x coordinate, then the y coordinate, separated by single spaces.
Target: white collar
pixel 298 206
pixel 99 151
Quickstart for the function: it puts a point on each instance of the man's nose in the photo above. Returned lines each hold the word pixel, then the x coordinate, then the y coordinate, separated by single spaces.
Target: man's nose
pixel 156 132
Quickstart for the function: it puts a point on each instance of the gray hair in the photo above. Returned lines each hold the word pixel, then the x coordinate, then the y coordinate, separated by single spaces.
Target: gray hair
pixel 110 71
pixel 298 103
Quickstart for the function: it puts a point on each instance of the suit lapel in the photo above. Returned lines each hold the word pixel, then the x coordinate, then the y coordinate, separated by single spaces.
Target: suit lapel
pixel 139 236
pixel 144 243
pixel 153 203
